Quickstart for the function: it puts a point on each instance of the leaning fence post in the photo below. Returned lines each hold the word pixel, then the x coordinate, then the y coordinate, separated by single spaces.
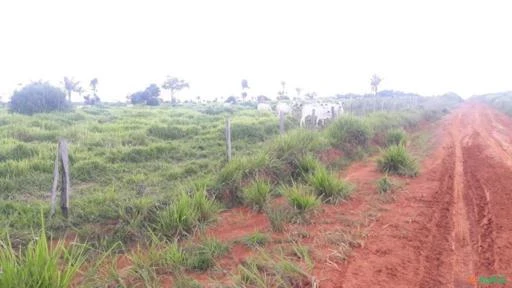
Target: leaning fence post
pixel 313 117
pixel 66 185
pixel 62 157
pixel 55 182
pixel 281 122
pixel 228 138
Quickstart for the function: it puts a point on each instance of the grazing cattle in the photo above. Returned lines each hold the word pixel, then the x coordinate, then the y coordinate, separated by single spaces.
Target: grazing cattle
pixel 264 107
pixel 323 111
pixel 283 107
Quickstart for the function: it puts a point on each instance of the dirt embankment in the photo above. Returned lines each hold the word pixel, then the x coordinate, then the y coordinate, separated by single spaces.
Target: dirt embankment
pixel 454 222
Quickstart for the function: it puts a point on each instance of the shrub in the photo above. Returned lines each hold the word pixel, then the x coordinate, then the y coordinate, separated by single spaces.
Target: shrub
pixel 185 214
pixel 256 239
pixel 350 134
pixel 202 256
pixel 278 215
pixel 396 137
pixel 307 165
pixel 38 97
pixel 384 185
pixel 40 265
pixel 327 186
pixel 301 198
pixel 257 194
pixel 396 160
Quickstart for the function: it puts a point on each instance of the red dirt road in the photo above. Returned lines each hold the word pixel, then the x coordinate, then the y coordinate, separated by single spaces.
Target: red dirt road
pixel 452 224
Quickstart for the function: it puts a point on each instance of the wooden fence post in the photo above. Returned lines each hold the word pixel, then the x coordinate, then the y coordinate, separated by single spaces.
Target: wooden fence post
pixel 281 122
pixel 333 114
pixel 62 157
pixel 228 138
pixel 313 117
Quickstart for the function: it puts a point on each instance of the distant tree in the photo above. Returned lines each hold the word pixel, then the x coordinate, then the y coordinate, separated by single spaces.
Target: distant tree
pixel 231 99
pixel 71 86
pixel 80 90
pixel 174 85
pixel 282 94
pixel 149 96
pixel 245 84
pixel 38 97
pixel 310 95
pixel 374 83
pixel 94 85
pixel 298 90
pixel 91 100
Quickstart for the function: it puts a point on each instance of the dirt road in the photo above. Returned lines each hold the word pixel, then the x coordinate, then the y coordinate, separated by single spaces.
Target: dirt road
pixel 453 224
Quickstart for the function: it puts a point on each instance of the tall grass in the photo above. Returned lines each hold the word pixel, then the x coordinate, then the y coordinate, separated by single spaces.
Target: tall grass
pixel 40 264
pixel 328 187
pixel 301 198
pixel 185 214
pixel 257 194
pixel 396 137
pixel 396 160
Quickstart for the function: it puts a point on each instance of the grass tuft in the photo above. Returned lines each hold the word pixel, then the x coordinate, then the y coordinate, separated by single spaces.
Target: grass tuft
pixel 396 137
pixel 257 194
pixel 396 160
pixel 384 185
pixel 328 187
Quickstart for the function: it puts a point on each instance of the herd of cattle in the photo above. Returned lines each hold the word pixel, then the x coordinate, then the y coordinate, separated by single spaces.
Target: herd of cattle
pixel 315 113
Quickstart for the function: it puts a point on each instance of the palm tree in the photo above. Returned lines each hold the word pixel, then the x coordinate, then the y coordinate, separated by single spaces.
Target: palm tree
pixel 94 84
pixel 374 83
pixel 70 85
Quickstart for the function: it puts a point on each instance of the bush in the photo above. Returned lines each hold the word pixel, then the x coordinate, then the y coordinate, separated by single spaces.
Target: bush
pixel 396 160
pixel 396 137
pixel 350 134
pixel 301 198
pixel 38 97
pixel 257 194
pixel 278 216
pixel 384 185
pixel 185 214
pixel 38 265
pixel 328 186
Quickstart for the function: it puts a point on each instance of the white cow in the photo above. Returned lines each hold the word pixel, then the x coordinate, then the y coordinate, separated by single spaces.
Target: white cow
pixel 264 107
pixel 323 111
pixel 283 107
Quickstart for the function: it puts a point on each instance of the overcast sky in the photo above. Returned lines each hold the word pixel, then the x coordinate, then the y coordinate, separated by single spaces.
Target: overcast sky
pixel 428 47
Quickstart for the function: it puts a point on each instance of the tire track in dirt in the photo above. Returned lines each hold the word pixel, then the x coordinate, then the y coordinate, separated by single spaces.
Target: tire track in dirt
pixel 463 206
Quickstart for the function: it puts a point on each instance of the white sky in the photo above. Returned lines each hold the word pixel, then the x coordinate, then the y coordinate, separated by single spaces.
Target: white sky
pixel 428 47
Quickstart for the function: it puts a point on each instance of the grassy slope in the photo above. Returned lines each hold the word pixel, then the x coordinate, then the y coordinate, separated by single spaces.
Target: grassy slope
pixel 120 157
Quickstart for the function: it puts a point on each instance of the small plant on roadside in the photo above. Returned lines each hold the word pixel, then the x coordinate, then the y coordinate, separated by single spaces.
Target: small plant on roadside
pixel 257 194
pixel 300 197
pixel 40 264
pixel 307 165
pixel 278 215
pixel 396 160
pixel 328 187
pixel 262 271
pixel 396 137
pixel 201 257
pixel 384 185
pixel 257 239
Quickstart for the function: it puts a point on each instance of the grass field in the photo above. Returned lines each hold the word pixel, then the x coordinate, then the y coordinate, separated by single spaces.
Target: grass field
pixel 145 175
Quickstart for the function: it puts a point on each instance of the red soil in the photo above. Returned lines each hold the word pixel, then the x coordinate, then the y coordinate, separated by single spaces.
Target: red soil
pixel 446 227
pixel 454 221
